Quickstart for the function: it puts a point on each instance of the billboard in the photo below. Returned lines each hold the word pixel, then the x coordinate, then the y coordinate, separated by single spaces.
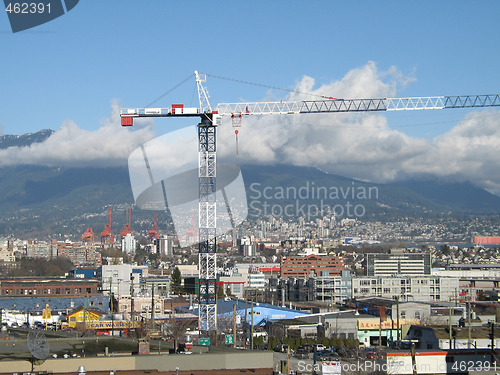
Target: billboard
pixel 118 324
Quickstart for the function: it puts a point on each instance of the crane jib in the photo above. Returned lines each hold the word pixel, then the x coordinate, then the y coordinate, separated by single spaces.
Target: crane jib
pixel 320 106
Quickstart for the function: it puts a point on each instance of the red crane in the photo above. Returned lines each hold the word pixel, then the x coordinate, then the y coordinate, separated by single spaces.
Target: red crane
pixel 127 229
pixel 88 236
pixel 107 234
pixel 153 233
pixel 191 232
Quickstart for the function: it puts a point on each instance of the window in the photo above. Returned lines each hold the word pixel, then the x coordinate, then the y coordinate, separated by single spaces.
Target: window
pixel 417 314
pixel 58 290
pixel 403 314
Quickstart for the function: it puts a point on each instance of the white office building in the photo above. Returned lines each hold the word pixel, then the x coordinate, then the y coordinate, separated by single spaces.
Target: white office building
pixel 406 288
pixel 166 246
pixel 399 264
pixel 128 244
pixel 119 279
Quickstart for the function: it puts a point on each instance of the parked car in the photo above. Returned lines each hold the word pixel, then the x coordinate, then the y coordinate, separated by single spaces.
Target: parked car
pixel 328 356
pixel 320 347
pixel 308 347
pixel 301 354
pixel 281 348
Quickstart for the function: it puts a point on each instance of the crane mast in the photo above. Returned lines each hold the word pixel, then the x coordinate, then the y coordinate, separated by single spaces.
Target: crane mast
pixel 207 160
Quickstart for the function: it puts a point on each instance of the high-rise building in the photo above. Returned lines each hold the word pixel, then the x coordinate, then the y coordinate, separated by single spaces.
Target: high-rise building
pixel 398 264
pixel 128 244
pixel 166 246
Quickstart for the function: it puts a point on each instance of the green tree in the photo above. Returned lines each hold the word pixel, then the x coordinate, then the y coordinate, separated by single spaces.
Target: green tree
pixel 273 343
pixel 258 341
pixel 220 291
pixel 176 280
pixel 445 249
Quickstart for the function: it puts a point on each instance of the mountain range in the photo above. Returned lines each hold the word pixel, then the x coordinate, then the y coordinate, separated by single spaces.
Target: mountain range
pixel 38 201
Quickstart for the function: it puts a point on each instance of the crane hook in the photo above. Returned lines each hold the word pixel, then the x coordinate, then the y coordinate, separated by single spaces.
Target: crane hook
pixel 236 133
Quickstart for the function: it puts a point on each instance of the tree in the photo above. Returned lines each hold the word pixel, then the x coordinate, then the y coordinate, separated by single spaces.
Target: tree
pixel 176 329
pixel 273 342
pixel 445 249
pixel 176 280
pixel 220 292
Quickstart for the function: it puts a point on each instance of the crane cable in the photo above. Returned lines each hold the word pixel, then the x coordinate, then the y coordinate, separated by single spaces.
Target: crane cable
pixel 170 90
pixel 270 87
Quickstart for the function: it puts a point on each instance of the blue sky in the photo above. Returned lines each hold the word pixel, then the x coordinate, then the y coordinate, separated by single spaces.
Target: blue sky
pixel 133 51
pixel 66 74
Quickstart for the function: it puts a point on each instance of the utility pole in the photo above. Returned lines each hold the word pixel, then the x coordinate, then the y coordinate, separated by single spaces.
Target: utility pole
pixel 413 359
pixel 450 326
pixel 468 318
pixel 111 306
pixel 152 306
pixel 132 307
pixel 380 333
pixel 251 329
pixel 234 324
pixel 84 315
pixel 492 337
pixel 246 310
pixel 397 320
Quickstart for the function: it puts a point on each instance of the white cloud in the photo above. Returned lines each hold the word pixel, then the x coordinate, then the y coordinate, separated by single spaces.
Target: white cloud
pixel 363 146
pixel 70 145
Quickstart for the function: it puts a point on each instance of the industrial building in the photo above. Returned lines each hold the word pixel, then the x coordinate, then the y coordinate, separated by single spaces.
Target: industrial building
pixel 46 287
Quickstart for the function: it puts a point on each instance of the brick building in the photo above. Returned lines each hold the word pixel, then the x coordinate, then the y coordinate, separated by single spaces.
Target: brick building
pixel 38 287
pixel 311 265
pixel 80 255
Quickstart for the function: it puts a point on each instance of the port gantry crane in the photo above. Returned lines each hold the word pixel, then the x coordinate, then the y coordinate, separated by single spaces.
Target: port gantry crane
pixel 127 228
pixel 153 233
pixel 211 117
pixel 107 234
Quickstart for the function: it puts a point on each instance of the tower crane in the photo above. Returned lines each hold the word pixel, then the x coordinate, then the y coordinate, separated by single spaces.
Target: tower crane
pixel 210 117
